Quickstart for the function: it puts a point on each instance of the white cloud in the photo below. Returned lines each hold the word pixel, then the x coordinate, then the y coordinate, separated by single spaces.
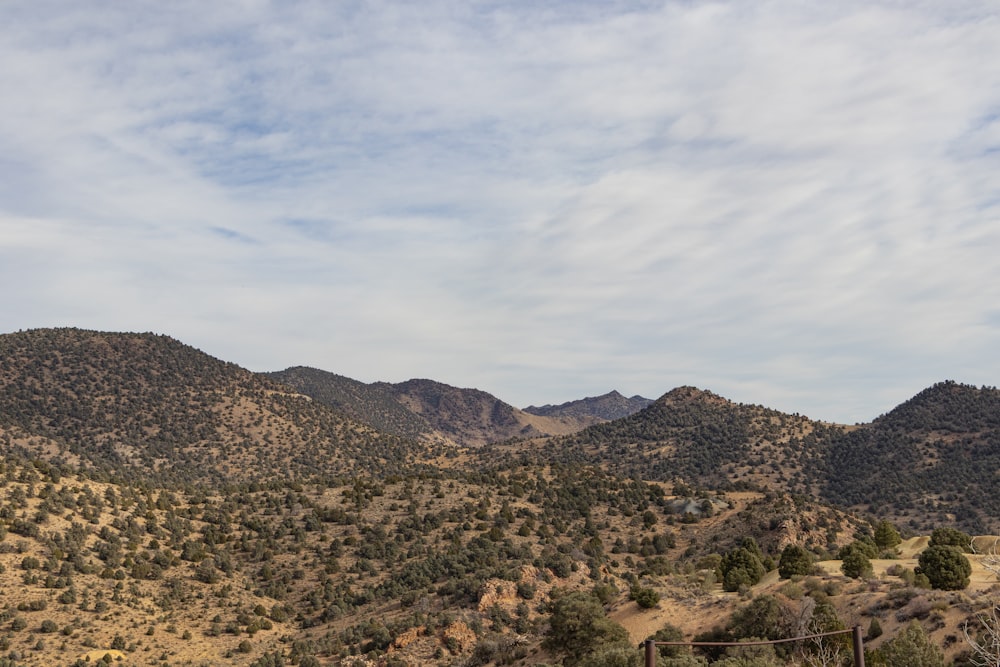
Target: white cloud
pixel 784 203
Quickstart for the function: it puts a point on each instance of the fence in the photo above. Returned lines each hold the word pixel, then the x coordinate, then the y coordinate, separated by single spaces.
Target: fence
pixel 859 648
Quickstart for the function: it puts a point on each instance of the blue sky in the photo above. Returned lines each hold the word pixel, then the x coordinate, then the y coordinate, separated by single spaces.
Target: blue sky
pixel 787 203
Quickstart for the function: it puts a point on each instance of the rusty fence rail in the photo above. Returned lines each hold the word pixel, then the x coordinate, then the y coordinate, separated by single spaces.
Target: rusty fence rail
pixel 855 632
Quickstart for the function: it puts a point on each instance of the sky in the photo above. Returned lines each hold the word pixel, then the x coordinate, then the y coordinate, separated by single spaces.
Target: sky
pixel 788 203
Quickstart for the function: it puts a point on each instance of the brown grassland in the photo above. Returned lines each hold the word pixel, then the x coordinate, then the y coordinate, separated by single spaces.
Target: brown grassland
pixel 65 597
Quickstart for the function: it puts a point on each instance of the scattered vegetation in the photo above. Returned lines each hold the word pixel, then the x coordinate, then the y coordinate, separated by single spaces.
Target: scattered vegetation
pixel 161 507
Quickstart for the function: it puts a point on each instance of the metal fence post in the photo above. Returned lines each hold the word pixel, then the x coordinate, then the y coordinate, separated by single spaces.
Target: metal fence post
pixel 650 653
pixel 859 648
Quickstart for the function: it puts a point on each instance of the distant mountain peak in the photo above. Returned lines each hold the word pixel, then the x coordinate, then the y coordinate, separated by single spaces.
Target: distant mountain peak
pixel 609 406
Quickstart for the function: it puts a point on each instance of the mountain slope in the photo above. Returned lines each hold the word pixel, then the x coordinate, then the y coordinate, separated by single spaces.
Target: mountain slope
pixel 935 455
pixel 700 437
pixel 437 561
pixel 368 403
pixel 428 410
pixel 930 462
pixel 474 418
pixel 143 404
pixel 283 574
pixel 608 407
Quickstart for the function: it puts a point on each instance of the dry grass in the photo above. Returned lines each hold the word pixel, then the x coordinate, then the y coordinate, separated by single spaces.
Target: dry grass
pixel 179 630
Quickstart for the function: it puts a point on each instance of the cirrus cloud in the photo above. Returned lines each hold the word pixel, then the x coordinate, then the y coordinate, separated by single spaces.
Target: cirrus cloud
pixel 786 203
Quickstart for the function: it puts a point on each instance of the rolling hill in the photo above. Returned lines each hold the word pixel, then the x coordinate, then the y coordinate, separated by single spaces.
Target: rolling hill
pixel 931 461
pixel 935 456
pixel 372 404
pixel 147 406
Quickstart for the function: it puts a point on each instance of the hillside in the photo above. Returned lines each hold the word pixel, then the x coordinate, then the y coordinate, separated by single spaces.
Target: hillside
pixel 179 510
pixel 428 571
pixel 935 455
pixel 929 462
pixel 473 418
pixel 413 571
pixel 696 436
pixel 147 406
pixel 372 404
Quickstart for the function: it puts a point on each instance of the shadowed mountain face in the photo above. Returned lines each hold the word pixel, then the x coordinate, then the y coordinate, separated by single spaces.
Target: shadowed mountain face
pixel 415 408
pixel 426 409
pixel 469 416
pixel 608 407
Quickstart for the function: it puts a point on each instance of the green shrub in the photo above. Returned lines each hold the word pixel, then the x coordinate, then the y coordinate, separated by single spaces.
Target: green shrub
pixel 668 633
pixel 578 626
pixel 795 560
pixel 855 564
pixel 616 656
pixel 951 537
pixel 647 598
pixel 945 567
pixel 910 648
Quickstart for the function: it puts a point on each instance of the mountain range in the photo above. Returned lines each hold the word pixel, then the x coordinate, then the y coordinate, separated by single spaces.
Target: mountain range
pixel 427 409
pixel 161 506
pixel 148 405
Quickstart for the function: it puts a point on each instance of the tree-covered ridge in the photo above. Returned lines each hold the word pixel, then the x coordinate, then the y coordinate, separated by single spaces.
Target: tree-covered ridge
pixel 372 404
pixel 141 405
pixel 947 407
pixel 694 435
pixel 928 462
pixel 935 455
